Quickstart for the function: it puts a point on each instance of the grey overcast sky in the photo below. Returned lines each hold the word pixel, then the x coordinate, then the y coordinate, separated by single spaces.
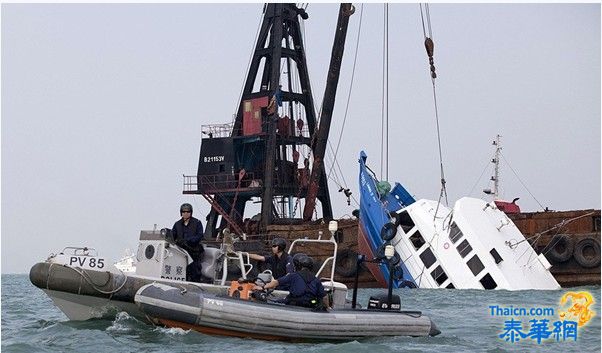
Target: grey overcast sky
pixel 102 106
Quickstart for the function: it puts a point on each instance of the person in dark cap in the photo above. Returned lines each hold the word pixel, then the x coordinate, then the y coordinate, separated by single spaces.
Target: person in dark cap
pixel 305 289
pixel 280 262
pixel 187 234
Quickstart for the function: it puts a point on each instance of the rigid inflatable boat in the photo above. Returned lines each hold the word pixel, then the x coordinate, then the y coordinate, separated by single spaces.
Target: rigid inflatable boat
pixel 223 315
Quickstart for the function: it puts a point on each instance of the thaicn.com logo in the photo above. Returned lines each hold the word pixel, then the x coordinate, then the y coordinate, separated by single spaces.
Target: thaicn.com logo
pixel 541 324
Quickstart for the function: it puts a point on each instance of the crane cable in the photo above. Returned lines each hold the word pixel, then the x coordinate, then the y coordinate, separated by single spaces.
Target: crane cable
pixel 430 46
pixel 384 131
pixel 523 184
pixel 357 44
pixel 343 186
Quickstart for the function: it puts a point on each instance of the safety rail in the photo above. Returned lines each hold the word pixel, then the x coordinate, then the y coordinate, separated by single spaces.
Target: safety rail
pixel 245 267
pixel 331 258
pixel 217 130
pixel 79 251
pixel 227 130
pixel 209 184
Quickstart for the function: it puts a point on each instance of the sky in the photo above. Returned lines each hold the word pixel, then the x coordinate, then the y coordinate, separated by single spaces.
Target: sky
pixel 102 106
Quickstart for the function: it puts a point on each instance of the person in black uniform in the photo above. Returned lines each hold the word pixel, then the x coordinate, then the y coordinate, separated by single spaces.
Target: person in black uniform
pixel 280 262
pixel 187 233
pixel 305 289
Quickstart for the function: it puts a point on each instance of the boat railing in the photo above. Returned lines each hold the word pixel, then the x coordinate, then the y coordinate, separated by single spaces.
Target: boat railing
pixel 245 266
pixel 227 130
pixel 79 251
pixel 332 258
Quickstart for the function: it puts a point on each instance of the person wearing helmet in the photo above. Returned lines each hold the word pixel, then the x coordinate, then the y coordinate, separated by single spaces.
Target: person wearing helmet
pixel 305 289
pixel 188 233
pixel 279 262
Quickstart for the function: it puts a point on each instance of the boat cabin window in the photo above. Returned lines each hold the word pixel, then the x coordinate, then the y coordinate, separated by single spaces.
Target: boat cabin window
pixel 488 282
pixel 417 240
pixel 439 275
pixel 496 256
pixel 455 233
pixel 405 221
pixel 475 265
pixel 450 286
pixel 428 258
pixel 464 248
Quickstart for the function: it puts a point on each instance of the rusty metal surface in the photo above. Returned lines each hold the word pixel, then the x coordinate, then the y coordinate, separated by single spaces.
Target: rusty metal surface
pixel 572 222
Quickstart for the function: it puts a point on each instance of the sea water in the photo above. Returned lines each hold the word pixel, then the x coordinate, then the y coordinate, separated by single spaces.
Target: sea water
pixel 468 320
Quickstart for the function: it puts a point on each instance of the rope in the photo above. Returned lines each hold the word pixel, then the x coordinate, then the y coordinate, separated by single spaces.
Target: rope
pixel 557 226
pixel 523 184
pixel 357 44
pixel 387 96
pixel 443 189
pixel 479 179
pixel 351 196
pixel 555 238
pixel 428 42
pixel 384 133
pixel 551 244
pixel 85 276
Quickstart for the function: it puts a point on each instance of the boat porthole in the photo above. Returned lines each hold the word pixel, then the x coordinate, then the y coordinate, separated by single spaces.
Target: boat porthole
pixel 149 252
pixel 587 253
pixel 446 246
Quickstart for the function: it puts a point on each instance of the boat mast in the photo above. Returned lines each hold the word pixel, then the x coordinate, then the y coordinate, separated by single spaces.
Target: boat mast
pixel 496 169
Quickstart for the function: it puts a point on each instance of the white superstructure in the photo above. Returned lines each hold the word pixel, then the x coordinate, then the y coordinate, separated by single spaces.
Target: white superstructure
pixel 472 246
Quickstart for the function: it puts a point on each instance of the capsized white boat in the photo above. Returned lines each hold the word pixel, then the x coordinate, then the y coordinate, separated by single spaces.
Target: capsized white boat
pixel 473 245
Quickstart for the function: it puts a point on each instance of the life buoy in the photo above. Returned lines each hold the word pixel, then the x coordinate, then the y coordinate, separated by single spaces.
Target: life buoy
pixel 388 232
pixel 562 248
pixel 587 253
pixel 346 263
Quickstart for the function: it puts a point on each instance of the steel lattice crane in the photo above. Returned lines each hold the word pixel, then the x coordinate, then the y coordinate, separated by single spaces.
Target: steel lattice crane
pixel 258 156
